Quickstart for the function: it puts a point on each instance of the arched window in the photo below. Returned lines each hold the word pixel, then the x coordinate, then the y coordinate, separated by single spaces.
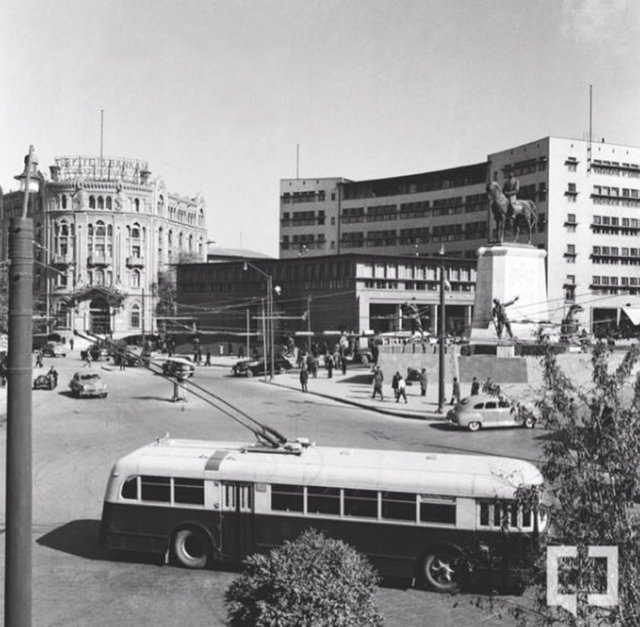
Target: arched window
pixel 135 316
pixel 109 230
pixel 99 277
pixel 64 229
pixel 135 231
pixel 180 241
pixel 109 278
pixel 100 202
pixel 100 229
pixel 92 202
pixel 161 205
pixel 136 204
pixel 135 278
pixel 64 201
pixel 190 243
pixel 90 230
pixel 109 202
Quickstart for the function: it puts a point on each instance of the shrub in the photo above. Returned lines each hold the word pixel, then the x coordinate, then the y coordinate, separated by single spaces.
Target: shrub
pixel 313 580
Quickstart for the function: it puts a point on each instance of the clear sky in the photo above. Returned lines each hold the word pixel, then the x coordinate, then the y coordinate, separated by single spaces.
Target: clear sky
pixel 215 94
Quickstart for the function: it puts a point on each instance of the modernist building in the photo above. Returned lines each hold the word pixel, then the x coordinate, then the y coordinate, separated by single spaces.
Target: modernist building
pixel 354 292
pixel 103 230
pixel 587 196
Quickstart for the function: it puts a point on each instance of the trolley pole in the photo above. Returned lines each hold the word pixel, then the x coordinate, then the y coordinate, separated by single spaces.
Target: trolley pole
pixel 18 540
pixel 442 337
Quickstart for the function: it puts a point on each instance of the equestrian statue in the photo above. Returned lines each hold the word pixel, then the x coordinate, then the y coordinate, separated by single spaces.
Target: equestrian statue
pixel 507 209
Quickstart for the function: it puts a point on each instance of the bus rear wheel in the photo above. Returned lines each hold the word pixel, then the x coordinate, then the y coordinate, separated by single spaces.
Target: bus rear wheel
pixel 442 569
pixel 191 548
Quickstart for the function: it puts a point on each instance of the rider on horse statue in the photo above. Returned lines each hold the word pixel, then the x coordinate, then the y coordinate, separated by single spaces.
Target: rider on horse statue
pixel 510 189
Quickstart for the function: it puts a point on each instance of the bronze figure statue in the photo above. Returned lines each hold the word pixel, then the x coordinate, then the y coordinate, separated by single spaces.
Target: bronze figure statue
pixel 517 212
pixel 500 318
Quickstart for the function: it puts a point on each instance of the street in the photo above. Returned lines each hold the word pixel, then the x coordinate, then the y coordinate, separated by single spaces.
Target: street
pixel 77 440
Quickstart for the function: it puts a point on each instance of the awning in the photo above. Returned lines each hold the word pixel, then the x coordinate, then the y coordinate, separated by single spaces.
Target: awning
pixel 633 313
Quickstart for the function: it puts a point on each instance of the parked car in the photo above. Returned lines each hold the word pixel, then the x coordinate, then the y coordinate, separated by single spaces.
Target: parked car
pixel 181 367
pixel 51 349
pixel 251 367
pixel 88 384
pixel 486 410
pixel 97 352
pixel 44 382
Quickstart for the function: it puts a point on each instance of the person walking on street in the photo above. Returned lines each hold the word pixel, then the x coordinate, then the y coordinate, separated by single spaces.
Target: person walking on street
pixel 424 381
pixel 455 392
pixel 87 358
pixel 123 361
pixel 343 363
pixel 312 364
pixel 304 377
pixel 39 359
pixel 378 378
pixel 71 343
pixel 475 387
pixel 401 390
pixel 53 374
pixel 328 362
pixel 394 383
pixel 208 357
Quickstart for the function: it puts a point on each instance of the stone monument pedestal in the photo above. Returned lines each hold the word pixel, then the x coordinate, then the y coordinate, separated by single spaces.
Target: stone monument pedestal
pixel 505 271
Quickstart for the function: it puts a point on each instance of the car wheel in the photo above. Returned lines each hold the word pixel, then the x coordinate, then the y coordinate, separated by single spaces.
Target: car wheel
pixel 529 422
pixel 442 569
pixel 474 426
pixel 364 359
pixel 191 548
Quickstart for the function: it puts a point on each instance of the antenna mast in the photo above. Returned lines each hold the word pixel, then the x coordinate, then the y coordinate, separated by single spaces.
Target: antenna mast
pixel 297 161
pixel 590 128
pixel 101 141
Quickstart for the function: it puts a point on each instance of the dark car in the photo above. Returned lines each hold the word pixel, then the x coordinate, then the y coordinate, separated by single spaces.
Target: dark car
pixel 98 352
pixel 180 367
pixel 251 367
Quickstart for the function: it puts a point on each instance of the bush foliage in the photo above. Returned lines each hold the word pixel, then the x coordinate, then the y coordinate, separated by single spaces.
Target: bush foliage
pixel 313 580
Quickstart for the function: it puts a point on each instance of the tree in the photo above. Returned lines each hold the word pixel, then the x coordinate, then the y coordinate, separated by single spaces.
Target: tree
pixel 313 580
pixel 165 288
pixel 591 468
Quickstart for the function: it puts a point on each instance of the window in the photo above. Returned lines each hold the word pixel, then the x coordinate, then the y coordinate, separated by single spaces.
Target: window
pixel 571 249
pixel 399 506
pixel 130 488
pixel 287 498
pixel 135 279
pixel 436 511
pixel 362 503
pixel 135 317
pixel 189 491
pixel 155 488
pixel 323 500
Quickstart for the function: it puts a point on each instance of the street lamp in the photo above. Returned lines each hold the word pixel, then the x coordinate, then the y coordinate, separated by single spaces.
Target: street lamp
pixel 18 579
pixel 442 336
pixel 269 315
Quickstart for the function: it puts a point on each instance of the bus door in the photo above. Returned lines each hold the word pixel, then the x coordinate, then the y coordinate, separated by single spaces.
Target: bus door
pixel 238 525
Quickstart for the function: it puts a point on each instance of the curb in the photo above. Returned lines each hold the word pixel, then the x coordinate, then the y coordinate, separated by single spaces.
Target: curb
pixel 428 416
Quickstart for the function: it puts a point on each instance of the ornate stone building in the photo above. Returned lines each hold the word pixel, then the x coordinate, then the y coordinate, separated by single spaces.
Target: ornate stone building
pixel 103 231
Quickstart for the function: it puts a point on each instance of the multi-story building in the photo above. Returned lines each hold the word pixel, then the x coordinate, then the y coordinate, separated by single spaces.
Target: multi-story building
pixel 103 231
pixel 587 196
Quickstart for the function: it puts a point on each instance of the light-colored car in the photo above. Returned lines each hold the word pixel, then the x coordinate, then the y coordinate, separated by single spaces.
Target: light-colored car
pixel 89 384
pixel 180 367
pixel 486 411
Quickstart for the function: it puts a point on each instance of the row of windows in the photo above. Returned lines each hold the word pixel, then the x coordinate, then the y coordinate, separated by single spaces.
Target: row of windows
pixel 603 190
pixel 615 281
pixel 164 489
pixel 347 502
pixel 629 223
pixel 311 196
pixel 614 251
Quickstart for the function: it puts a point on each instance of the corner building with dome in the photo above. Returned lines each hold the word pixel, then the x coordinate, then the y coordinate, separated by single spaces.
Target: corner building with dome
pixel 104 229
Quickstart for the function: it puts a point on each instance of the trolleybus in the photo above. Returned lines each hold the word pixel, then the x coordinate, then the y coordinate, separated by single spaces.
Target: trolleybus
pixel 415 515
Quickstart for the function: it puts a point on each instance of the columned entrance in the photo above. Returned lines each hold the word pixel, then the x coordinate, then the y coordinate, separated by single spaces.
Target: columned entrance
pixel 99 316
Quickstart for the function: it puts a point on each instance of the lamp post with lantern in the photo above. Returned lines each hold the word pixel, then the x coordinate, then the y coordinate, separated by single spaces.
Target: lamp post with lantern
pixel 18 562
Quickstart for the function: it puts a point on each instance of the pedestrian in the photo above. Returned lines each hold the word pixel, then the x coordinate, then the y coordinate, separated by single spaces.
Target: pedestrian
pixel 3 371
pixel 475 387
pixel 53 374
pixel 208 357
pixel 424 381
pixel 487 386
pixel 455 392
pixel 394 384
pixel 312 365
pixel 71 343
pixel 401 391
pixel 378 378
pixel 39 359
pixel 241 352
pixel 343 363
pixel 123 360
pixel 304 377
pixel 86 357
pixel 230 348
pixel 328 363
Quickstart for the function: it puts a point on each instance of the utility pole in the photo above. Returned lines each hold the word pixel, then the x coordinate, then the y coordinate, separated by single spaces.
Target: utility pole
pixel 143 319
pixel 248 335
pixel 309 324
pixel 442 336
pixel 19 483
pixel 264 339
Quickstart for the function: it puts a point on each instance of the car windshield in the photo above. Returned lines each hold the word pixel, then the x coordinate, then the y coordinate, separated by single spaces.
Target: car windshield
pixel 89 377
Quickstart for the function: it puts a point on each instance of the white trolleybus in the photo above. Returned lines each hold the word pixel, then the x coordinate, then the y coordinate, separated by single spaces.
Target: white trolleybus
pixel 414 515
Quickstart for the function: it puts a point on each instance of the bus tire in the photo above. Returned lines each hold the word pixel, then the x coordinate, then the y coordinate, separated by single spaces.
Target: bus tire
pixel 442 569
pixel 528 422
pixel 191 548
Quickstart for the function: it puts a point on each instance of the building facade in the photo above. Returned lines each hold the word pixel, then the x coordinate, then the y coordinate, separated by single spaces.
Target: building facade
pixel 354 292
pixel 587 200
pixel 103 231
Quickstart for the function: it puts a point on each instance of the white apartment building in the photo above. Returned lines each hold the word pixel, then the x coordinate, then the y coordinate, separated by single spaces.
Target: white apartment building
pixel 587 195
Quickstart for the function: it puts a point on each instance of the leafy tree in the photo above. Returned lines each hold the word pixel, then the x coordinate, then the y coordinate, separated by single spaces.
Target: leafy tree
pixel 591 468
pixel 313 580
pixel 165 288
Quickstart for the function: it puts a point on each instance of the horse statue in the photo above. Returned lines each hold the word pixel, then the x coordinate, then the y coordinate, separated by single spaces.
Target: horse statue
pixel 524 211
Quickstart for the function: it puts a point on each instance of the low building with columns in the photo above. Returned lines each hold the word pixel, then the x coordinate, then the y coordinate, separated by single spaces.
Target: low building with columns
pixel 352 292
pixel 104 229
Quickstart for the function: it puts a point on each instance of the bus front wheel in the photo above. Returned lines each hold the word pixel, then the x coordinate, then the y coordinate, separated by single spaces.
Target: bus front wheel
pixel 191 548
pixel 442 569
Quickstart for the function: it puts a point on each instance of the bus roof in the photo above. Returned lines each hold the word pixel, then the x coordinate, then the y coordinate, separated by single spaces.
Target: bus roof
pixel 479 476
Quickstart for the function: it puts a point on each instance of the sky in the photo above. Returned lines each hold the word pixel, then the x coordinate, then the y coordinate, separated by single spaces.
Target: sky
pixel 216 95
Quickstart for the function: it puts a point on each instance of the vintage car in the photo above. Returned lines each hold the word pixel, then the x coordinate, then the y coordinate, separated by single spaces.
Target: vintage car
pixel 487 410
pixel 251 367
pixel 87 383
pixel 99 352
pixel 180 367
pixel 45 382
pixel 52 349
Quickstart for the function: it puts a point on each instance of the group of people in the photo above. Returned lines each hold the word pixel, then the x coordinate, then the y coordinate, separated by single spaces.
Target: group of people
pixel 308 365
pixel 488 387
pixel 398 384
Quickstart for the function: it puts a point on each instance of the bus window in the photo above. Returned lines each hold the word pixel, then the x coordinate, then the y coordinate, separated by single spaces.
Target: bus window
pixel 130 488
pixel 484 514
pixel 399 506
pixel 323 500
pixel 287 498
pixel 155 488
pixel 245 494
pixel 189 491
pixel 438 513
pixel 362 503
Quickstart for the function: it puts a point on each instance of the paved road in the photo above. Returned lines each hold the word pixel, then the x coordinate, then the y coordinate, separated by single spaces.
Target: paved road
pixel 76 441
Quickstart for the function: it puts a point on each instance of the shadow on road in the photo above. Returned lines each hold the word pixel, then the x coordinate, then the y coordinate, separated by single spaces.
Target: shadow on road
pixel 81 538
pixel 153 398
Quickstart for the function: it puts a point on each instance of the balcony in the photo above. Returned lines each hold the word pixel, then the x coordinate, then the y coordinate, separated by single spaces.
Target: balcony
pixel 61 260
pixel 98 260
pixel 135 262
